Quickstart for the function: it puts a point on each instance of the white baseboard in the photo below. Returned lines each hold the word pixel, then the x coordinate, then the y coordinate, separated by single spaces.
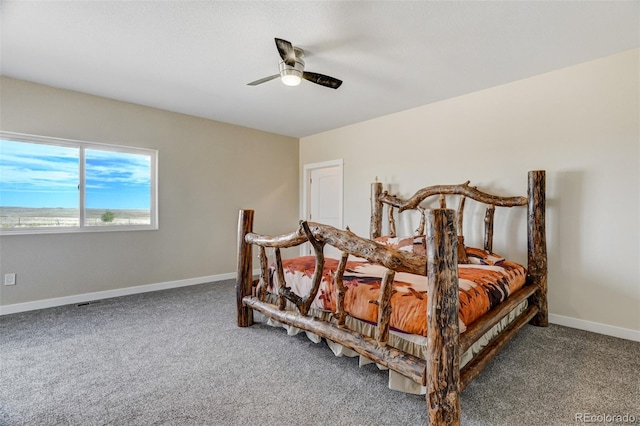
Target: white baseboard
pixel 595 327
pixel 107 294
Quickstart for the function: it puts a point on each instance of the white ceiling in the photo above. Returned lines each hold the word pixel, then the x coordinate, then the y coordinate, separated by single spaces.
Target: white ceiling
pixel 196 57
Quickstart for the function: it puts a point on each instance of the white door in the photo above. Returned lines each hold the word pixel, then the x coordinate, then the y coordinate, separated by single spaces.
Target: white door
pixel 324 198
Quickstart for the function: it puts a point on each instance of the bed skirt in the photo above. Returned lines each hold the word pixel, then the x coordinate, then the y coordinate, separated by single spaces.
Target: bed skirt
pixel 409 343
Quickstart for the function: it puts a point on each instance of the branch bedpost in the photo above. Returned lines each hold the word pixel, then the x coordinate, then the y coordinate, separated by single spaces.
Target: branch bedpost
pixel 443 335
pixel 384 307
pixel 375 226
pixel 488 228
pixel 244 274
pixel 537 246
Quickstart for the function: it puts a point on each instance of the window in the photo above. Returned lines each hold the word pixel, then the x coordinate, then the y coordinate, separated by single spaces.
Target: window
pixel 59 185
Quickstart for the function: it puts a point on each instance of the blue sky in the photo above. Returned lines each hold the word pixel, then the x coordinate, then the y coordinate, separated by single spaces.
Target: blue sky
pixel 117 180
pixel 37 175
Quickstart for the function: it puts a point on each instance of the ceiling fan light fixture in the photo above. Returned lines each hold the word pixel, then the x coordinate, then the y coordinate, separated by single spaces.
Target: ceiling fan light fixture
pixel 290 79
pixel 291 75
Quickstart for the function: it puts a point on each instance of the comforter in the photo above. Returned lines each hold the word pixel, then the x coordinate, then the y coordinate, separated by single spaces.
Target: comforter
pixel 484 283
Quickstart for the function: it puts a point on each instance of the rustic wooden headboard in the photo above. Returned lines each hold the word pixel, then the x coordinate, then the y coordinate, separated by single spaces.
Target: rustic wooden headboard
pixel 535 202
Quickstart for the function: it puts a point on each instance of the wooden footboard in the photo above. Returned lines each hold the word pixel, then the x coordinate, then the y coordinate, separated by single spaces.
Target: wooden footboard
pixel 440 369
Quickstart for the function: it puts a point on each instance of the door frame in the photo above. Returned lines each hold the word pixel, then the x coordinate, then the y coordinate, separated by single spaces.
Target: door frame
pixel 306 184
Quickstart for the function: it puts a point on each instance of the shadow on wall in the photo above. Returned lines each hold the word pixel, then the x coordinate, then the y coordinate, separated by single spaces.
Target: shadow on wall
pixel 564 225
pixel 578 280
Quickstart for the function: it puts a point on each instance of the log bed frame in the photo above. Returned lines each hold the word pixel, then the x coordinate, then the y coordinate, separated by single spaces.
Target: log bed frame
pixel 439 371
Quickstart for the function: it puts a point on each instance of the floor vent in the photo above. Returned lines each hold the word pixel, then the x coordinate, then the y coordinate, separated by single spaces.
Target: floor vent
pixel 92 302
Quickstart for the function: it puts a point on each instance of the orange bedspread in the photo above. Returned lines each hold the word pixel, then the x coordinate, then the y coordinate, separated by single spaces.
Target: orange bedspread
pixel 483 285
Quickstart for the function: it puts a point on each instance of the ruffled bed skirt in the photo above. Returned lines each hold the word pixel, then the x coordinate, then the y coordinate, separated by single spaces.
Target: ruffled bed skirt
pixel 409 343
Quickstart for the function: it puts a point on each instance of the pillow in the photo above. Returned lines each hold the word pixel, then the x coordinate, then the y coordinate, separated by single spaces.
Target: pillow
pixel 415 245
pixel 418 246
pixel 478 256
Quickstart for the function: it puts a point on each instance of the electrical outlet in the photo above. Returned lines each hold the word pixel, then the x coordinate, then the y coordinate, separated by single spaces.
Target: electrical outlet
pixel 10 279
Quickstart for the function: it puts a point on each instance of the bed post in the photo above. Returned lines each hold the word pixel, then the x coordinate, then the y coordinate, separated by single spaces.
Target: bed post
pixel 375 226
pixel 443 335
pixel 537 246
pixel 244 274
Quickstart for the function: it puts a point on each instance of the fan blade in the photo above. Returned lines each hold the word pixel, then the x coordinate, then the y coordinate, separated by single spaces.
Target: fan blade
pixel 263 80
pixel 285 49
pixel 322 80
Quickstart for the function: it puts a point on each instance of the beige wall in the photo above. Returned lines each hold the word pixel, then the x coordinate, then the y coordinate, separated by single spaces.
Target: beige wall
pixel 207 171
pixel 581 124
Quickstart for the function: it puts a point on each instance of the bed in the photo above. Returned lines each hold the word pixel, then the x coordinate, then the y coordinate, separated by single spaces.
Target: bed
pixel 427 307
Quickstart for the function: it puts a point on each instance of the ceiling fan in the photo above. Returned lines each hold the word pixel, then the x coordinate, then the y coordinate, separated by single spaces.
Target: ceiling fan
pixel 292 68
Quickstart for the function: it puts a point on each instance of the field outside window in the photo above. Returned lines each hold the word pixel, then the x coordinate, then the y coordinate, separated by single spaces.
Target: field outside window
pixel 57 185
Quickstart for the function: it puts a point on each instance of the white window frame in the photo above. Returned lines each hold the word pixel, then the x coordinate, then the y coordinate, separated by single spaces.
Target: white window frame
pixel 82 146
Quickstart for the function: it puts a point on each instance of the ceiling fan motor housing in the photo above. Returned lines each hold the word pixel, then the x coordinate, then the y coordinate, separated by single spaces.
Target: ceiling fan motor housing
pixel 297 70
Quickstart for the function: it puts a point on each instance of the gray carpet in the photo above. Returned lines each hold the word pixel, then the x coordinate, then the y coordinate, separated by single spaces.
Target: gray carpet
pixel 176 357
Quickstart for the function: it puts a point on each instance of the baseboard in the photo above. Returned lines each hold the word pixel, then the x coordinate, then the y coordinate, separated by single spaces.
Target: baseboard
pixel 595 327
pixel 609 330
pixel 107 294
